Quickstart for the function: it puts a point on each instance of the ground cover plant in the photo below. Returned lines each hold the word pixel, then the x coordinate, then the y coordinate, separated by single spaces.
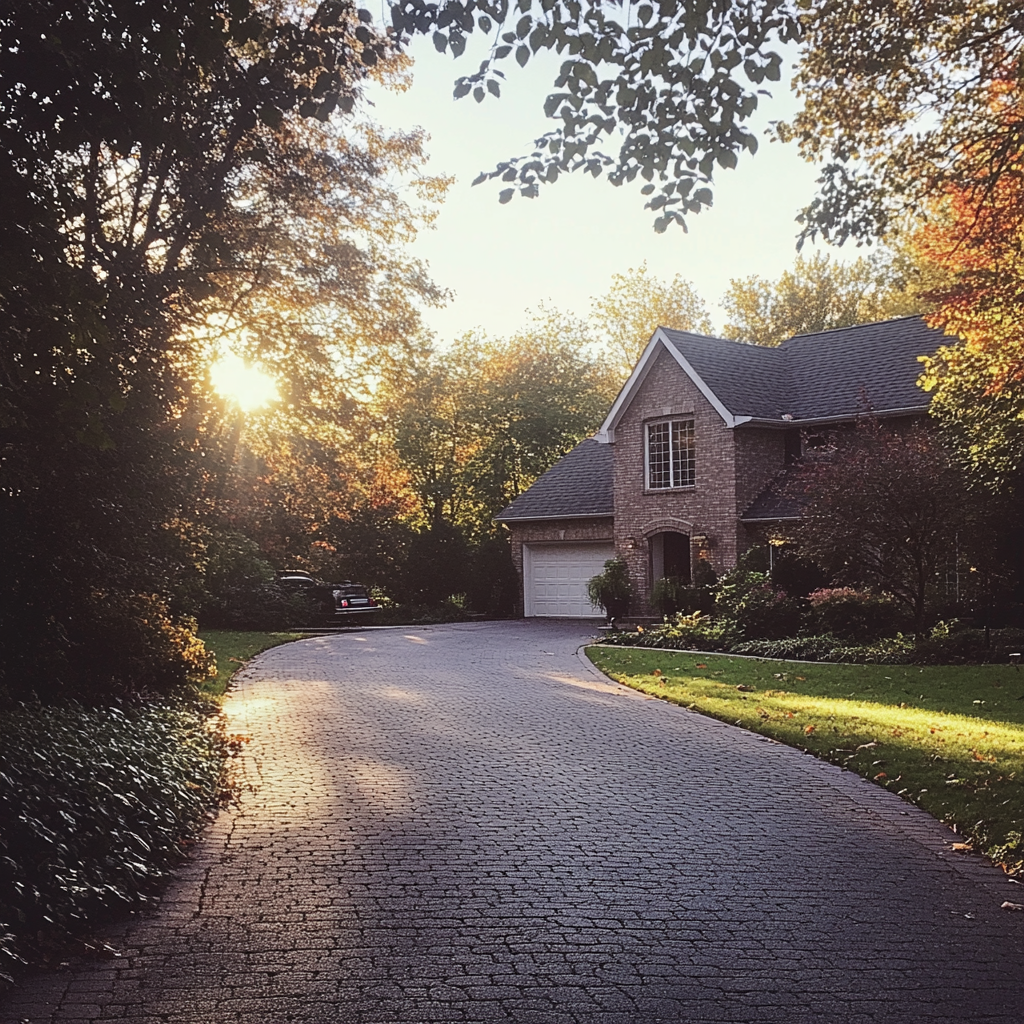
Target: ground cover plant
pixel 232 649
pixel 947 738
pixel 96 805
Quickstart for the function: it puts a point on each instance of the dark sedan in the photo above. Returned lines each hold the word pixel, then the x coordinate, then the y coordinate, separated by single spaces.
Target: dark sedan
pixel 335 603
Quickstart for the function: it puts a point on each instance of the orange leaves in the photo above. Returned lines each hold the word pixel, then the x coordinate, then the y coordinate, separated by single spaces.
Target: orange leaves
pixel 808 729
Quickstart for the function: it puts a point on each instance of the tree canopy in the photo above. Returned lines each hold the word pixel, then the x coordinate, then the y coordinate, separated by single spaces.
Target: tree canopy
pixel 627 313
pixel 172 176
pixel 818 294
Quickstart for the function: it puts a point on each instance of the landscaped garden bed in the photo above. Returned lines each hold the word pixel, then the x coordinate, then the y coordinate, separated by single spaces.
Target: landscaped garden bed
pixel 949 738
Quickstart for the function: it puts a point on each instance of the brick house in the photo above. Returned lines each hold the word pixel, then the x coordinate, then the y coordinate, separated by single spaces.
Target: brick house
pixel 683 465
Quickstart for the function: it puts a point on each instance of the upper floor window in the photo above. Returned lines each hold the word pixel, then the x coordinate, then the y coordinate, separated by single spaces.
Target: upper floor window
pixel 670 454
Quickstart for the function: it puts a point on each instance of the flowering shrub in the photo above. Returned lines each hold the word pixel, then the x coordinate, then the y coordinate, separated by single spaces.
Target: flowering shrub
pixel 851 614
pixel 755 606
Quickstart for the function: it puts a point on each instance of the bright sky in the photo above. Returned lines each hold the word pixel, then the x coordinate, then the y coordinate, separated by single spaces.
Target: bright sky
pixel 563 247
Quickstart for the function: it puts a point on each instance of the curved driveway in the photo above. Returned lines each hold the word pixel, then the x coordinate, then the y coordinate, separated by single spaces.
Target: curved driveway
pixel 468 823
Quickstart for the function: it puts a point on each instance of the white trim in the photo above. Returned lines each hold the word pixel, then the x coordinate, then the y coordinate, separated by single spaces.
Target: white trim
pixel 606 434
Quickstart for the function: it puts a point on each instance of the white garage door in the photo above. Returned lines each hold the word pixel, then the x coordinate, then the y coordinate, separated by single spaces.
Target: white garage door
pixel 555 578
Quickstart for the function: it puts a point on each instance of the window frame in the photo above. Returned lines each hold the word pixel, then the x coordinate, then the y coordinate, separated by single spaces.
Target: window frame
pixel 673 485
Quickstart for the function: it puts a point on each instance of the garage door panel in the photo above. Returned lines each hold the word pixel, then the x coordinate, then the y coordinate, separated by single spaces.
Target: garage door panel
pixel 556 576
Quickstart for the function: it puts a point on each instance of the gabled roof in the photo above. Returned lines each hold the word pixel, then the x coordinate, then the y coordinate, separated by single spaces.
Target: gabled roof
pixel 827 376
pixel 578 486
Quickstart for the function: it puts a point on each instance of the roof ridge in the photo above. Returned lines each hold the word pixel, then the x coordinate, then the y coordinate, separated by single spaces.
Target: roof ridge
pixel 855 327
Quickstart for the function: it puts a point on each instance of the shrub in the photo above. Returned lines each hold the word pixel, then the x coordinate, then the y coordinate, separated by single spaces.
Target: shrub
pixel 852 614
pixel 696 632
pixel 754 605
pixel 611 589
pixel 95 804
pixel 129 643
pixel 241 588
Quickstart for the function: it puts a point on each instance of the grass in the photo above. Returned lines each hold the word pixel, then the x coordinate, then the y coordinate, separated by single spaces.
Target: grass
pixel 233 649
pixel 949 738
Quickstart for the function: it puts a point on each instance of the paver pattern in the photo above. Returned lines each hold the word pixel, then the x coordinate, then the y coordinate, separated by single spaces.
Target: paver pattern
pixel 468 823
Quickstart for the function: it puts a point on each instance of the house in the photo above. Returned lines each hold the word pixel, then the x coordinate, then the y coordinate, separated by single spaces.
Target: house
pixel 682 466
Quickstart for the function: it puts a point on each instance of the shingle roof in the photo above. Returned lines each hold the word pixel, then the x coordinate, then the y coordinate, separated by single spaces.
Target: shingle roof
pixel 781 499
pixel 830 374
pixel 578 485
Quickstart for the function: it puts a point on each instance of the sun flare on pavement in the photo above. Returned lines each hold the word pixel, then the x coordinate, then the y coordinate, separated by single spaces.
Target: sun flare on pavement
pixel 248 387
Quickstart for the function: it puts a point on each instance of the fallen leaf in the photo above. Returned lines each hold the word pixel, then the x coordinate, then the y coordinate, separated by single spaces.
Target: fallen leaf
pixel 881 775
pixel 808 730
pixel 803 679
pixel 789 714
pixel 868 746
pixel 656 672
pixel 701 665
pixel 744 688
pixel 962 847
pixel 1007 905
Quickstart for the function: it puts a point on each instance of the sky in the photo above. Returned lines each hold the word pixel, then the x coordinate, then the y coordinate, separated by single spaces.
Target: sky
pixel 563 247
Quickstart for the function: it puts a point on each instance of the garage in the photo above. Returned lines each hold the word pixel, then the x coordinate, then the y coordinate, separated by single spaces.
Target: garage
pixel 555 578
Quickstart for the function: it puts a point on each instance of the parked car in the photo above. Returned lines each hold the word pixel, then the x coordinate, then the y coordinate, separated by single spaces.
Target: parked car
pixel 331 603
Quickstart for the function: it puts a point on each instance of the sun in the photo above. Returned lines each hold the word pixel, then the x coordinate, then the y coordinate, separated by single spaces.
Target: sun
pixel 246 386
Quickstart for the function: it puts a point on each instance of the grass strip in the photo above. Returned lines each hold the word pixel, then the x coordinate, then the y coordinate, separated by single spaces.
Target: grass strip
pixel 233 649
pixel 948 738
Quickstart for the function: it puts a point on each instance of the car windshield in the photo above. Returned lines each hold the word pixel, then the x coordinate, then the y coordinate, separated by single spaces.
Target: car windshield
pixel 350 591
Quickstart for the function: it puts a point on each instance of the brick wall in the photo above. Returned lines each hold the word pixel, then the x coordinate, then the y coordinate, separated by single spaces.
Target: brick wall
pixel 732 466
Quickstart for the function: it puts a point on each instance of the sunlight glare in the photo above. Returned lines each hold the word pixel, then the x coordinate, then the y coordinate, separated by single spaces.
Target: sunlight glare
pixel 246 386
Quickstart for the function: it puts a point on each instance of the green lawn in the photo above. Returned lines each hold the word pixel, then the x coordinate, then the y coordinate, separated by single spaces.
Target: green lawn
pixel 949 738
pixel 233 649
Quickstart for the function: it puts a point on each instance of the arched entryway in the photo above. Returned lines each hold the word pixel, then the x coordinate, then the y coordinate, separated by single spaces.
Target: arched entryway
pixel 670 556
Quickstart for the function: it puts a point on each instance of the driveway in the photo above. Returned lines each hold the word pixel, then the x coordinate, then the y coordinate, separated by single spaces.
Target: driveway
pixel 469 823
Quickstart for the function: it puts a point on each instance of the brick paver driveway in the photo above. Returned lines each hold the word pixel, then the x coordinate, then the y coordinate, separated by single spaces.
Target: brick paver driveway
pixel 465 823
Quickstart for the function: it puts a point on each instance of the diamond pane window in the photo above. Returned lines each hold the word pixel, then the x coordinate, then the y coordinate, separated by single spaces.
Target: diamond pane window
pixel 670 454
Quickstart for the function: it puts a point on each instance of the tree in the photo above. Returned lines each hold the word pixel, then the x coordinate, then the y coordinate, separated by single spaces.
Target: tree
pixel 890 509
pixel 902 101
pixel 672 85
pixel 635 305
pixel 474 426
pixel 892 92
pixel 818 295
pixel 153 155
pixel 975 255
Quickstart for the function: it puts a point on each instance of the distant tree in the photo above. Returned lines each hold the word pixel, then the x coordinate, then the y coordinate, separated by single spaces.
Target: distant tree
pixel 636 303
pixel 819 294
pixel 891 510
pixel 475 425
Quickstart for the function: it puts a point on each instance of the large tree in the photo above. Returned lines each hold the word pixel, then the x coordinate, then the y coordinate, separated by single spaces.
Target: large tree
pixel 163 170
pixel 476 424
